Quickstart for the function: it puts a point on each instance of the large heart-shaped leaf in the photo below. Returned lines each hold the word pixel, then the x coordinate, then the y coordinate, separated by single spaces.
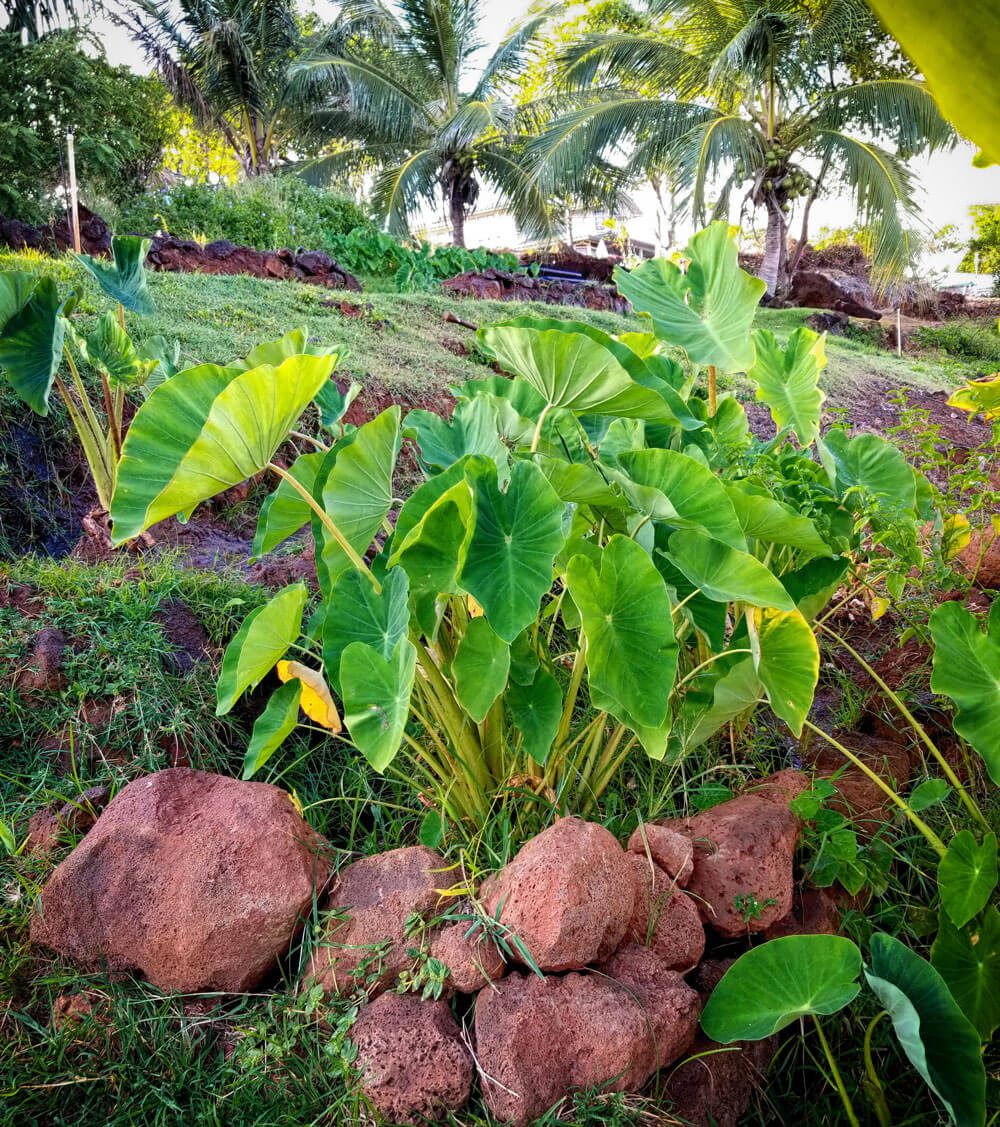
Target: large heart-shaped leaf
pixel 728 688
pixel 294 343
pixel 628 626
pixel 967 876
pixel 274 725
pixel 968 959
pixel 940 1041
pixel 31 343
pixel 376 695
pixel 787 664
pixel 787 380
pixel 16 287
pixel 433 551
pixel 762 517
pixel 473 428
pixel 285 510
pixel 124 279
pixel 572 369
pixel 708 309
pixel 872 464
pixel 110 350
pixel 671 487
pixel 354 486
pixel 516 537
pixel 536 708
pixel 356 612
pixel 333 403
pixel 967 670
pixel 778 982
pixel 165 359
pixel 262 640
pixel 480 668
pixel 204 430
pixel 725 574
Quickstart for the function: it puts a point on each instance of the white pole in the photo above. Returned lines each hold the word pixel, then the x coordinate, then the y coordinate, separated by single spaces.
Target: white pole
pixel 73 206
pixel 899 334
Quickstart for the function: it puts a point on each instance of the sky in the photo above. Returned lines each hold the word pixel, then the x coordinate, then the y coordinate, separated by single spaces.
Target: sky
pixel 949 184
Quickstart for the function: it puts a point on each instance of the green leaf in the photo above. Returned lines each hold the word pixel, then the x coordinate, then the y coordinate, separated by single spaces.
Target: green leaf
pixel 939 1040
pixel 472 429
pixel 285 511
pixel 31 344
pixel 536 708
pixel 16 288
pixel 671 487
pixel 725 574
pixel 261 641
pixel 967 670
pixel 968 959
pixel 203 431
pixel 166 356
pixel 725 690
pixel 967 876
pixel 125 279
pixel 778 982
pixel 356 613
pixel 275 352
pixel 7 838
pixel 376 694
pixel 708 309
pixel 516 537
pixel 110 350
pixel 434 550
pixel 628 626
pixel 955 49
pixel 764 518
pixel 333 403
pixel 274 725
pixel 787 665
pixel 871 463
pixel 570 368
pixel 432 829
pixel 480 668
pixel 814 584
pixel 354 485
pixel 787 380
pixel 927 794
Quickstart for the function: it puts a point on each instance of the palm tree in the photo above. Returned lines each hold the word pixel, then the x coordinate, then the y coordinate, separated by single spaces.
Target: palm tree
pixel 34 18
pixel 742 91
pixel 415 115
pixel 232 64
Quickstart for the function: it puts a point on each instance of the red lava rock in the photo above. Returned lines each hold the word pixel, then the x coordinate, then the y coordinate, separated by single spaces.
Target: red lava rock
pixel 569 895
pixel 70 1012
pixel 743 854
pixel 714 1088
pixel 197 880
pixel 370 903
pixel 411 1058
pixel 813 913
pixel 671 1006
pixel 671 851
pixel 539 1038
pixel 834 289
pixel 504 285
pixel 44 672
pixel 473 960
pixel 665 919
pixel 46 828
pixel 980 559
pixel 858 798
pixel 781 787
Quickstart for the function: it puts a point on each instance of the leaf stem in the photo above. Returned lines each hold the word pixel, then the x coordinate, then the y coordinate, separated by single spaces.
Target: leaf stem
pixel 873 1086
pixel 712 391
pixel 835 1071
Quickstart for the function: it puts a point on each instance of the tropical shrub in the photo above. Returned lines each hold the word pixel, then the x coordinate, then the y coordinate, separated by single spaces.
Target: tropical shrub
pixel 121 121
pixel 587 568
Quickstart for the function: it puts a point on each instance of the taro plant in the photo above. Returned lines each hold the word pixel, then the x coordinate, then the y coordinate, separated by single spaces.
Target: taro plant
pixel 37 335
pixel 588 568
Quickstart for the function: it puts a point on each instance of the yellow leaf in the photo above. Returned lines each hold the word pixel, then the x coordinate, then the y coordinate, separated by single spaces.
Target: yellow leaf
pixel 316 702
pixel 475 610
pixel 294 799
pixel 879 607
pixel 956 535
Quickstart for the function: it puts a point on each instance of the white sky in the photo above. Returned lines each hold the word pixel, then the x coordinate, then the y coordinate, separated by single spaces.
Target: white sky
pixel 949 182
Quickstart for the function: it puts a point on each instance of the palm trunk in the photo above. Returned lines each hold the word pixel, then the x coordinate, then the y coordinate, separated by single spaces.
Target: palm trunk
pixel 774 267
pixel 456 210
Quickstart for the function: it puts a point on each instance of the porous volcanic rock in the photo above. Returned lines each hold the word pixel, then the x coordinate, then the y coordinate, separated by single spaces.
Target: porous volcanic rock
pixel 980 559
pixel 44 671
pixel 814 912
pixel 364 938
pixel 743 854
pixel 223 257
pixel 569 895
pixel 504 285
pixel 834 289
pixel 665 919
pixel 714 1087
pixel 539 1038
pixel 858 798
pixel 197 880
pixel 671 851
pixel 95 234
pixel 47 827
pixel 411 1059
pixel 473 960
